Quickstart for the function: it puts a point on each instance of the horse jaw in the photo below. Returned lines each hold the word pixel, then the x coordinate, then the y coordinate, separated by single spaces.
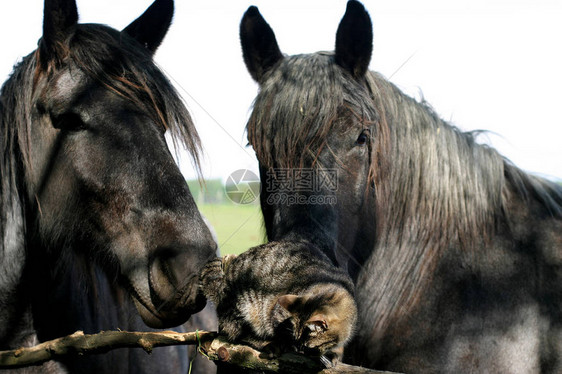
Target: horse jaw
pixel 160 303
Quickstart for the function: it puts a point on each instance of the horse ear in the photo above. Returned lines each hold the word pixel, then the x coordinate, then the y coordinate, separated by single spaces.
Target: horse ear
pixel 354 40
pixel 259 46
pixel 59 18
pixel 151 27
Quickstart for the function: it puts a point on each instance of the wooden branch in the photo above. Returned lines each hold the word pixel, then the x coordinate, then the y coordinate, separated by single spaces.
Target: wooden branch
pixel 80 344
pixel 291 363
pixel 210 344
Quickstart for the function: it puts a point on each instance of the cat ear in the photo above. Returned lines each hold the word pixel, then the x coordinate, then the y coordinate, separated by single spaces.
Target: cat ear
pixel 151 27
pixel 318 322
pixel 289 302
pixel 354 40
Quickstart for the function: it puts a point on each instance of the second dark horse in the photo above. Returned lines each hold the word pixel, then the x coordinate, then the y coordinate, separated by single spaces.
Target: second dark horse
pixel 456 254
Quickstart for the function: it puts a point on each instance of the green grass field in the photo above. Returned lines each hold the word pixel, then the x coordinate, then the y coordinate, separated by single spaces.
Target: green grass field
pixel 238 227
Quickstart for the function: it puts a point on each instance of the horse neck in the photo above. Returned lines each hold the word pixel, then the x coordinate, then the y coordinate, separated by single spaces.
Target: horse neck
pixel 71 292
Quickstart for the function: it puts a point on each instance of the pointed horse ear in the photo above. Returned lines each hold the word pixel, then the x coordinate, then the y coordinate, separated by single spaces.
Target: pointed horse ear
pixel 151 27
pixel 259 46
pixel 354 40
pixel 59 18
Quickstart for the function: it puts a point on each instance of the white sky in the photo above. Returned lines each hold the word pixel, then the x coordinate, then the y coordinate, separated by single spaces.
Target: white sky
pixel 493 65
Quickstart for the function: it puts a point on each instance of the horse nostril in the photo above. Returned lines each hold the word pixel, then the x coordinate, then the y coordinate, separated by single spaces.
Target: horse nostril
pixel 163 263
pixel 172 270
pixel 163 283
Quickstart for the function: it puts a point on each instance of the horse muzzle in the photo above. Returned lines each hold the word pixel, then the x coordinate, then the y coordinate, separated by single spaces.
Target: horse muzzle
pixel 168 294
pixel 172 312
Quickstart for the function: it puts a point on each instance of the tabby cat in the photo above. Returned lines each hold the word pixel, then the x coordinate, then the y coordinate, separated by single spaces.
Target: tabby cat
pixel 282 296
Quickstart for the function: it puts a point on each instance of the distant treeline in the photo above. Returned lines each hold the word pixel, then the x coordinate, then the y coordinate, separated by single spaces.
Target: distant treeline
pixel 210 191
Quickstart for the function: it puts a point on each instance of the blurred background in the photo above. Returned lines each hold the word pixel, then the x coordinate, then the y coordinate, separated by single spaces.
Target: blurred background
pixel 482 64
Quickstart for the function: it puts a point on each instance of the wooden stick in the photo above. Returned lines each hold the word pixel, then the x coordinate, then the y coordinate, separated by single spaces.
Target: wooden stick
pixel 80 344
pixel 243 356
pixel 210 344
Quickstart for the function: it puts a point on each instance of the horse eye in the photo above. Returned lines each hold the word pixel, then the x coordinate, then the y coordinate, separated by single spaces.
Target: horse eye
pixel 68 121
pixel 363 138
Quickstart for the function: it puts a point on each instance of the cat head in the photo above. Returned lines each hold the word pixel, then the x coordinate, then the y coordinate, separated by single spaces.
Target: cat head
pixel 322 318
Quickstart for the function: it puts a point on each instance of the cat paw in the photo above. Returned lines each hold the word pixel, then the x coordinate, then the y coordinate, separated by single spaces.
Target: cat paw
pixel 211 277
pixel 211 269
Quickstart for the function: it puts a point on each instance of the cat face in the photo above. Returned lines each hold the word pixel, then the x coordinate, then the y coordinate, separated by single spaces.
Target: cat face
pixel 323 318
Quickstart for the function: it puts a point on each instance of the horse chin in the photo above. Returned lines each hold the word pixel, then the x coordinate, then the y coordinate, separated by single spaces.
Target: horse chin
pixel 158 320
pixel 148 317
pixel 154 320
pixel 173 313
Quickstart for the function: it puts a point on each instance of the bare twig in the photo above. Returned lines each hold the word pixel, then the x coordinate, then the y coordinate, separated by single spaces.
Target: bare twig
pixel 212 345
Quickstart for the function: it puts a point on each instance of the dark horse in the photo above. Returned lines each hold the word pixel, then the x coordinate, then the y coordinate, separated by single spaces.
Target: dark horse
pixel 92 202
pixel 456 253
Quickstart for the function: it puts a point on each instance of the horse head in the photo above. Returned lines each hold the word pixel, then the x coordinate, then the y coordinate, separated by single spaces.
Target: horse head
pixel 313 119
pixel 99 177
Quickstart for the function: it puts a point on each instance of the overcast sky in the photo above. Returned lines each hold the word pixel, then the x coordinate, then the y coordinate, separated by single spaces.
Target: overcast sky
pixel 493 65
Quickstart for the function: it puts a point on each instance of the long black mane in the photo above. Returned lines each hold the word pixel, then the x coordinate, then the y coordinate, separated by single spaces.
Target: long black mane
pixel 438 172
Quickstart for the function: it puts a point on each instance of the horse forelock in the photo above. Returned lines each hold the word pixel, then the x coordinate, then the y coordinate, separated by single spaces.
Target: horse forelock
pixel 124 67
pixel 298 107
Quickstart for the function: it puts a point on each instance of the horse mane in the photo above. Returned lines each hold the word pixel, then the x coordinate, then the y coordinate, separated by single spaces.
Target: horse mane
pixel 434 184
pixel 14 118
pixel 440 190
pixel 445 186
